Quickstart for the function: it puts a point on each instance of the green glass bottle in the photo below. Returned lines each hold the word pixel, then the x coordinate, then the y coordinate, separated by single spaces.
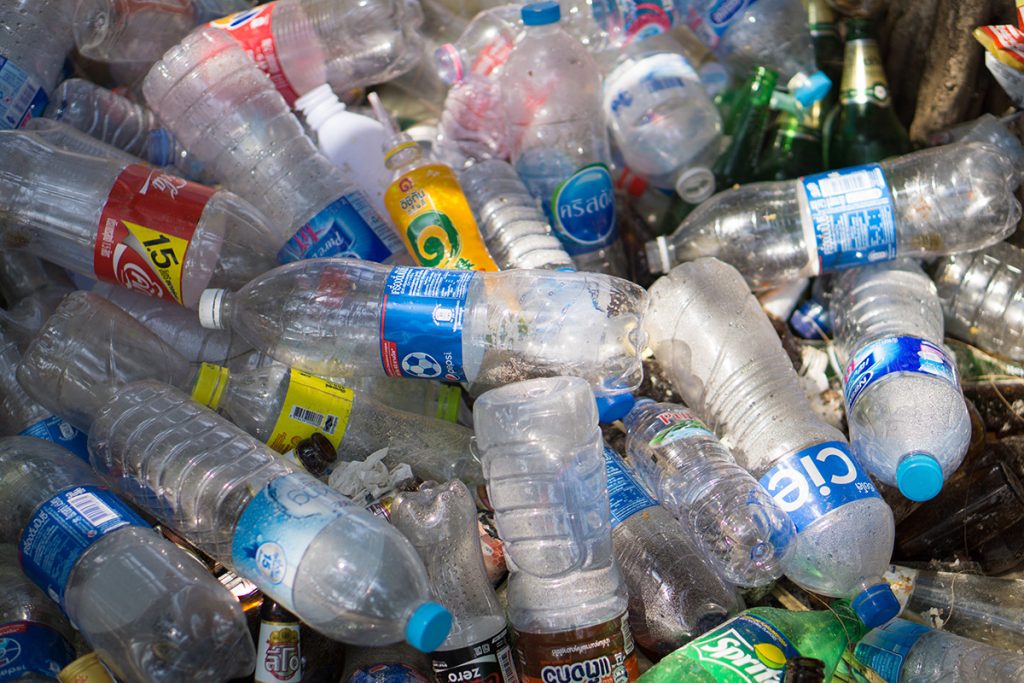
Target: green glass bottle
pixel 738 164
pixel 755 646
pixel 865 127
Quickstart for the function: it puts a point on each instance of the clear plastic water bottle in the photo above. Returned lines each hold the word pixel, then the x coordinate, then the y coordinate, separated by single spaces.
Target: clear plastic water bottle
pixel 129 224
pixel 722 355
pixel 472 125
pixel 152 612
pixel 551 90
pixel 441 523
pixel 909 425
pixel 986 128
pixel 68 138
pixel 937 201
pixel 738 526
pixel 32 290
pixel 340 318
pixel 35 37
pixel 482 48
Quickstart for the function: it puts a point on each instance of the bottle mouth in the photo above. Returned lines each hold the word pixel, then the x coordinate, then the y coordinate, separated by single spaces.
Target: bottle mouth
pixel 93 23
pixel 449 64
pixel 695 185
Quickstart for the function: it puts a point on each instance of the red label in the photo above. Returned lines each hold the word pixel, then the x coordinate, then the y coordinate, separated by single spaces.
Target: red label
pixel 251 29
pixel 145 230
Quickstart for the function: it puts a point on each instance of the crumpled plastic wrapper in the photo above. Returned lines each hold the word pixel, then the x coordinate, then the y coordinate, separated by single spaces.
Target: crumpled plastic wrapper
pixel 369 480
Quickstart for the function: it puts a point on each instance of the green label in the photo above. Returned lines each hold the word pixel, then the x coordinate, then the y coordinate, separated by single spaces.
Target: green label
pixel 747 649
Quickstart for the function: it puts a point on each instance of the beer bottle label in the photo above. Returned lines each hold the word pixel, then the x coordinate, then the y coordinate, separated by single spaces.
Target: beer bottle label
pixel 864 78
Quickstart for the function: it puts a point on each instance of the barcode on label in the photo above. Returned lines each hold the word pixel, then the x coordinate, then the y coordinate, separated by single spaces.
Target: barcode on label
pixel 325 423
pixel 854 182
pixel 92 508
pixel 508 670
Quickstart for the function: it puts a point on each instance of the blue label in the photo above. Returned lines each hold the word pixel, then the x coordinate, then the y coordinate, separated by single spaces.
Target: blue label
pixel 159 147
pixel 885 649
pixel 62 528
pixel 348 227
pixel 30 648
pixel 422 312
pixel 584 210
pixel 390 672
pixel 809 484
pixel 58 431
pixel 747 648
pixel 811 320
pixel 710 19
pixel 895 354
pixel 852 216
pixel 21 96
pixel 277 527
pixel 626 495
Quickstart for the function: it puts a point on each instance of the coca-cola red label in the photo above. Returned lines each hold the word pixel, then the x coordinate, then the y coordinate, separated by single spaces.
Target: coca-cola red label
pixel 251 29
pixel 145 231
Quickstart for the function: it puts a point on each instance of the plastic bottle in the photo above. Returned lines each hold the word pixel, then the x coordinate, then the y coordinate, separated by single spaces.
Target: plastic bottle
pixel 929 203
pixel 75 211
pixel 441 524
pixel 566 597
pixel 393 664
pixel 279 653
pixel 909 424
pixel 151 611
pixel 247 138
pixel 551 90
pixel 737 525
pixel 32 289
pixel 488 329
pixel 905 652
pixel 986 128
pixel 35 37
pixel 482 48
pixel 723 356
pixel 71 139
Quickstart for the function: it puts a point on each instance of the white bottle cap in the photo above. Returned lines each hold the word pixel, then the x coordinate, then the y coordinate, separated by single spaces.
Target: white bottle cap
pixel 209 308
pixel 695 185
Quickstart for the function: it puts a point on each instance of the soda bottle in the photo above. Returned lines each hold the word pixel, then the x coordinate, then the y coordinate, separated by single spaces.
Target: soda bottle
pixel 69 138
pixel 279 648
pixel 35 37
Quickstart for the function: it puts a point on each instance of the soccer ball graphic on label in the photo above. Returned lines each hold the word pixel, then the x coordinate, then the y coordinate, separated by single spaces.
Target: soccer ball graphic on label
pixel 421 364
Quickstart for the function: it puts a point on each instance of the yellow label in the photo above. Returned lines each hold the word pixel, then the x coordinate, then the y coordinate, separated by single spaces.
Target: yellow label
pixel 435 221
pixel 210 385
pixel 864 75
pixel 448 402
pixel 165 252
pixel 312 404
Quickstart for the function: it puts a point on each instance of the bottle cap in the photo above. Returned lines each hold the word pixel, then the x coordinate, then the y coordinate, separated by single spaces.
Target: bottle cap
pixel 815 88
pixel 541 13
pixel 428 627
pixel 919 477
pixel 696 184
pixel 876 606
pixel 612 408
pixel 210 385
pixel 209 308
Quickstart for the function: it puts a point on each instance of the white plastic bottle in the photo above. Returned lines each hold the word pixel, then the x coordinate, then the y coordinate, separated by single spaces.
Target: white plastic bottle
pixel 909 425
pixel 722 355
pixel 35 37
pixel 152 612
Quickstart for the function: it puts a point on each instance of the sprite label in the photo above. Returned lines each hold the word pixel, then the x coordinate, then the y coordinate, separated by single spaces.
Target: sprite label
pixel 746 648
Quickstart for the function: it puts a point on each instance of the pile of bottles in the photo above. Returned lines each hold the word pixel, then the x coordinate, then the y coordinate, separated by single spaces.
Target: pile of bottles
pixel 401 341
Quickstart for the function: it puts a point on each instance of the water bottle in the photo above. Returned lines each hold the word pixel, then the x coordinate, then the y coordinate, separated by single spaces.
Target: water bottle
pixel 248 139
pixel 722 355
pixel 909 424
pixel 566 596
pixel 35 37
pixel 551 90
pixel 930 203
pixel 128 224
pixel 482 48
pixel 339 318
pixel 441 524
pixel 151 611
pixel 70 139
pixel 985 128
pixel 32 289
pixel 472 125
pixel 737 525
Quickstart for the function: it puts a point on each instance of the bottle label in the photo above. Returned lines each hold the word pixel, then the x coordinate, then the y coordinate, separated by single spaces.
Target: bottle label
pixel 278 656
pixel 312 404
pixel 895 354
pixel 56 430
pixel 682 425
pixel 597 654
pixel 650 82
pixel 62 528
pixel 885 649
pixel 489 661
pixel 449 400
pixel 710 19
pixel 642 20
pixel 809 484
pixel 252 30
pixel 435 220
pixel 864 79
pixel 145 229
pixel 848 217
pixel 584 210
pixel 278 526
pixel 27 647
pixel 347 228
pixel 388 672
pixel 422 312
pixel 21 96
pixel 626 495
pixel 746 648
pixel 492 57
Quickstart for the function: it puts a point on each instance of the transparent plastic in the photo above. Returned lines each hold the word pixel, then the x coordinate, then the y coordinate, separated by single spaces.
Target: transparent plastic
pixel 32 289
pixel 483 46
pixel 18 411
pixel 68 138
pixel 36 36
pixel 472 125
pixel 989 129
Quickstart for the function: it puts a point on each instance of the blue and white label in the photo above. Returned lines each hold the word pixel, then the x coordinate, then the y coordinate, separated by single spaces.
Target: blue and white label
pixel 58 431
pixel 388 672
pixel 21 96
pixel 626 495
pixel 680 425
pixel 895 354
pixel 28 647
pixel 583 209
pixel 422 313
pixel 809 484
pixel 848 217
pixel 348 227
pixel 885 649
pixel 278 526
pixel 710 19
pixel 61 529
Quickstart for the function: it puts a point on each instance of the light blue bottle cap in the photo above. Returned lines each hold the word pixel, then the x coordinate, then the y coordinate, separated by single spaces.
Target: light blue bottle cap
pixel 876 606
pixel 428 627
pixel 541 13
pixel 919 477
pixel 816 87
pixel 612 408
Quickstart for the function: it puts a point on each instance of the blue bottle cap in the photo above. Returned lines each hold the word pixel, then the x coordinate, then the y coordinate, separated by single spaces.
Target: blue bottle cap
pixel 541 13
pixel 919 477
pixel 428 627
pixel 876 606
pixel 612 408
pixel 816 87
